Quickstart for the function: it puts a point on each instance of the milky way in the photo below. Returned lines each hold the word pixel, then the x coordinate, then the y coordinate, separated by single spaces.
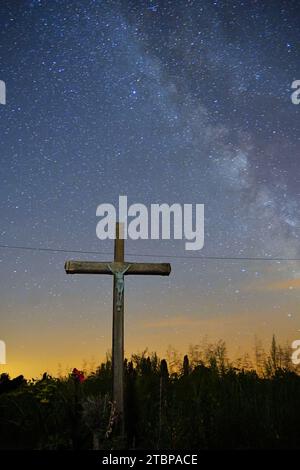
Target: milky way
pixel 166 101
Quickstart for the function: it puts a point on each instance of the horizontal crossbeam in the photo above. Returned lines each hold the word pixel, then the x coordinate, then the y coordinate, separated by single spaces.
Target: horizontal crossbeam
pixel 108 267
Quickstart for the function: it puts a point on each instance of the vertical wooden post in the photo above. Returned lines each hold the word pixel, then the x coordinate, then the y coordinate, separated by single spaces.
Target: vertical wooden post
pixel 119 243
pixel 118 334
pixel 119 268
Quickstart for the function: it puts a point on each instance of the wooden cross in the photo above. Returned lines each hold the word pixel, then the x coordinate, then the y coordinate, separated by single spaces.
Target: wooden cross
pixel 118 268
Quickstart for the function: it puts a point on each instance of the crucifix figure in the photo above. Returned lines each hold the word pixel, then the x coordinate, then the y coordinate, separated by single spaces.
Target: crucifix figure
pixel 118 268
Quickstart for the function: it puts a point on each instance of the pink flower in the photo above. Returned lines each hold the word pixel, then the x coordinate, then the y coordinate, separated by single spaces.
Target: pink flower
pixel 78 375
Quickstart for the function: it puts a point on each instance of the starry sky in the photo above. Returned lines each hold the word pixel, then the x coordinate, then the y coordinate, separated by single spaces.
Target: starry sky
pixel 162 101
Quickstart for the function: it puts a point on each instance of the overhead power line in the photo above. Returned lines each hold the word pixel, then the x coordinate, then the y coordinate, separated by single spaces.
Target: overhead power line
pixel 153 255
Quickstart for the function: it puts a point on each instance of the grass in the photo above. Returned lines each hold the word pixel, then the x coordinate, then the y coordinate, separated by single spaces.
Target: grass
pixel 201 401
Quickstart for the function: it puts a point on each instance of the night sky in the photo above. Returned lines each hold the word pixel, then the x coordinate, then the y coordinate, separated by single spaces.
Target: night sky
pixel 163 101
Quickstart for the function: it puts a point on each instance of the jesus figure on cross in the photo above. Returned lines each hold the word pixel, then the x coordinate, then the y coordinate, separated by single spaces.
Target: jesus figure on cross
pixel 118 268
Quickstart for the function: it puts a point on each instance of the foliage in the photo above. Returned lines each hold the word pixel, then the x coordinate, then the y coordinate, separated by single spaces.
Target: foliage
pixel 200 402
